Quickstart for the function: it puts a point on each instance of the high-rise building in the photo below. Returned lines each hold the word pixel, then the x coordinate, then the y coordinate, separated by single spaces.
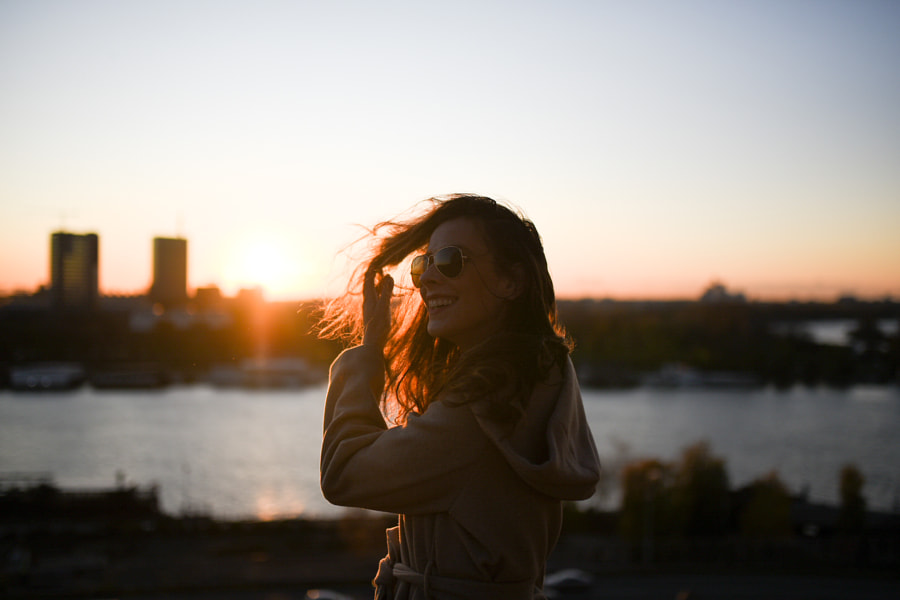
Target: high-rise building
pixel 74 270
pixel 169 271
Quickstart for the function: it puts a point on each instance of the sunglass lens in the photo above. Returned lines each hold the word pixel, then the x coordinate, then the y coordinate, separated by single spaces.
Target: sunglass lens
pixel 417 267
pixel 449 261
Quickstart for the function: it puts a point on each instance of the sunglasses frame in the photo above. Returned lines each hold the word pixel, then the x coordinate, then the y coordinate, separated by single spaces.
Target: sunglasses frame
pixel 429 258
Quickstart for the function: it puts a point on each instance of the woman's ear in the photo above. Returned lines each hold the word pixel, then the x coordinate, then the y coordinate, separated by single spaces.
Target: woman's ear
pixel 513 283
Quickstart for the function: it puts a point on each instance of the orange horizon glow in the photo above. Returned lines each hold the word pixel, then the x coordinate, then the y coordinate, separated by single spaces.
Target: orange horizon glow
pixel 285 270
pixel 261 267
pixel 288 267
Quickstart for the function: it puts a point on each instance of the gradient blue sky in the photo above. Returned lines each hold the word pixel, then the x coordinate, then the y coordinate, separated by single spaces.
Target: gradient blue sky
pixel 658 145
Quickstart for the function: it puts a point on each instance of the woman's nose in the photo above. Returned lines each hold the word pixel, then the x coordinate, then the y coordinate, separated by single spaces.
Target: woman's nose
pixel 430 274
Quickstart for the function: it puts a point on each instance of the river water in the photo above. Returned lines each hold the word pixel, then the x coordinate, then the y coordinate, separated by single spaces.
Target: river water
pixel 239 453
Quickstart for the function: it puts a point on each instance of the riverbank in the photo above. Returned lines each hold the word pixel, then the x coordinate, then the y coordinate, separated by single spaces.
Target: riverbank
pixel 192 558
pixel 202 559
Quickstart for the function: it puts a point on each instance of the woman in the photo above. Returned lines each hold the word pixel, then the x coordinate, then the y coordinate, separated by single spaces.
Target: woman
pixel 489 434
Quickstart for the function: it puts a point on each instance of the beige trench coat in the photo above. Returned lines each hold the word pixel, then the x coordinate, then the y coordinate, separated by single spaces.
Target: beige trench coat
pixel 480 503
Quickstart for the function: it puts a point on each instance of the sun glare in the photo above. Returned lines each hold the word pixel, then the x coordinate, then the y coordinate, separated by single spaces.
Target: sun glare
pixel 266 264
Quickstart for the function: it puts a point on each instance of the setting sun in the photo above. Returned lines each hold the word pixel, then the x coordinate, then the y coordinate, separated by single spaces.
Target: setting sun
pixel 266 264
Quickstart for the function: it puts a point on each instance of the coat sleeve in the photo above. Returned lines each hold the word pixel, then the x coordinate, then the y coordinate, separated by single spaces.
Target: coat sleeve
pixel 416 468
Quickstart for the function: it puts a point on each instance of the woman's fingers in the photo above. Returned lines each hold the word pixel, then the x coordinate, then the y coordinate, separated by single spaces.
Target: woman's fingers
pixel 386 290
pixel 369 296
pixel 377 309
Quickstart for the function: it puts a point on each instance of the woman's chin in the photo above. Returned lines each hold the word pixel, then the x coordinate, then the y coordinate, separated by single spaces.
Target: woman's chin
pixel 435 330
pixel 439 330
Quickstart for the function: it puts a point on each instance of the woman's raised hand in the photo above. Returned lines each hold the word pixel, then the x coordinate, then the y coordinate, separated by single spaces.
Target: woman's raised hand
pixel 377 310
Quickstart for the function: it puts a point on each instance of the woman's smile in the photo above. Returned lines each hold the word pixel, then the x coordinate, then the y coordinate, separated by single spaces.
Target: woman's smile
pixel 438 302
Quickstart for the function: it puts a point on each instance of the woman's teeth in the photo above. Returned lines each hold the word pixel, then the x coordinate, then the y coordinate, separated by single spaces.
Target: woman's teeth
pixel 439 302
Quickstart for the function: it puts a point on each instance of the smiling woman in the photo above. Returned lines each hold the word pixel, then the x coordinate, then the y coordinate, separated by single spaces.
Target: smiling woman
pixel 460 411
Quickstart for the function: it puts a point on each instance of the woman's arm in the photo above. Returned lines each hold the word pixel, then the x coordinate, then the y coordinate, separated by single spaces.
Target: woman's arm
pixel 416 468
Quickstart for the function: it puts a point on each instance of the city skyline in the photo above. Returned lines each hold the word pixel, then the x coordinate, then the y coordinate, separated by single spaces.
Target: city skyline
pixel 168 284
pixel 657 146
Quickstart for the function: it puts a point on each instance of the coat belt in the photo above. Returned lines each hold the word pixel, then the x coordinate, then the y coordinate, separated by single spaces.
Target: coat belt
pixel 470 589
pixel 391 571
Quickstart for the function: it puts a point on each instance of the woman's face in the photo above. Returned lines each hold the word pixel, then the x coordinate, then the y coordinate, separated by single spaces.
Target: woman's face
pixel 467 308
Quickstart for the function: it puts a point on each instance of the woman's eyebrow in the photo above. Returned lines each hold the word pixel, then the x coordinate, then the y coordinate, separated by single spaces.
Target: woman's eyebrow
pixel 428 250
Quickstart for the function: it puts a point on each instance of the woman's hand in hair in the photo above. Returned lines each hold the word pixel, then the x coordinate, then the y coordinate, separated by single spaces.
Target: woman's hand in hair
pixel 377 310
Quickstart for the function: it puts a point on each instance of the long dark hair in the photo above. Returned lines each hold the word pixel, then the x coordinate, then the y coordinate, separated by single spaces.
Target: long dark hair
pixel 504 368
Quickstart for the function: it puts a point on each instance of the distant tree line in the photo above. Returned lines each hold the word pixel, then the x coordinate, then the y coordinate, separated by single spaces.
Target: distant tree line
pixel 187 347
pixel 618 342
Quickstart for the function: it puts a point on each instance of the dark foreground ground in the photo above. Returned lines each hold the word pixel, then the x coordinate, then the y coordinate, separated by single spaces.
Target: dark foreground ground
pixel 633 587
pixel 200 559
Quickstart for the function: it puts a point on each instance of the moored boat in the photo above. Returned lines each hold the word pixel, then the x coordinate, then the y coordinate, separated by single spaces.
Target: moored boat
pixel 46 376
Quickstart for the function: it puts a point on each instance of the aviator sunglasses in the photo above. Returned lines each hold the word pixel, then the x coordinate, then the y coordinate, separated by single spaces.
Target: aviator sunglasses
pixel 448 261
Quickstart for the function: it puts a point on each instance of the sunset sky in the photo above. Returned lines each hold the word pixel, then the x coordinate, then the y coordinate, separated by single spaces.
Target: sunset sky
pixel 657 145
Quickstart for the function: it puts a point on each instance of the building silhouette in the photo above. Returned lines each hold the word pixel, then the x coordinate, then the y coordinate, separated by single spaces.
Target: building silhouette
pixel 74 270
pixel 169 272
